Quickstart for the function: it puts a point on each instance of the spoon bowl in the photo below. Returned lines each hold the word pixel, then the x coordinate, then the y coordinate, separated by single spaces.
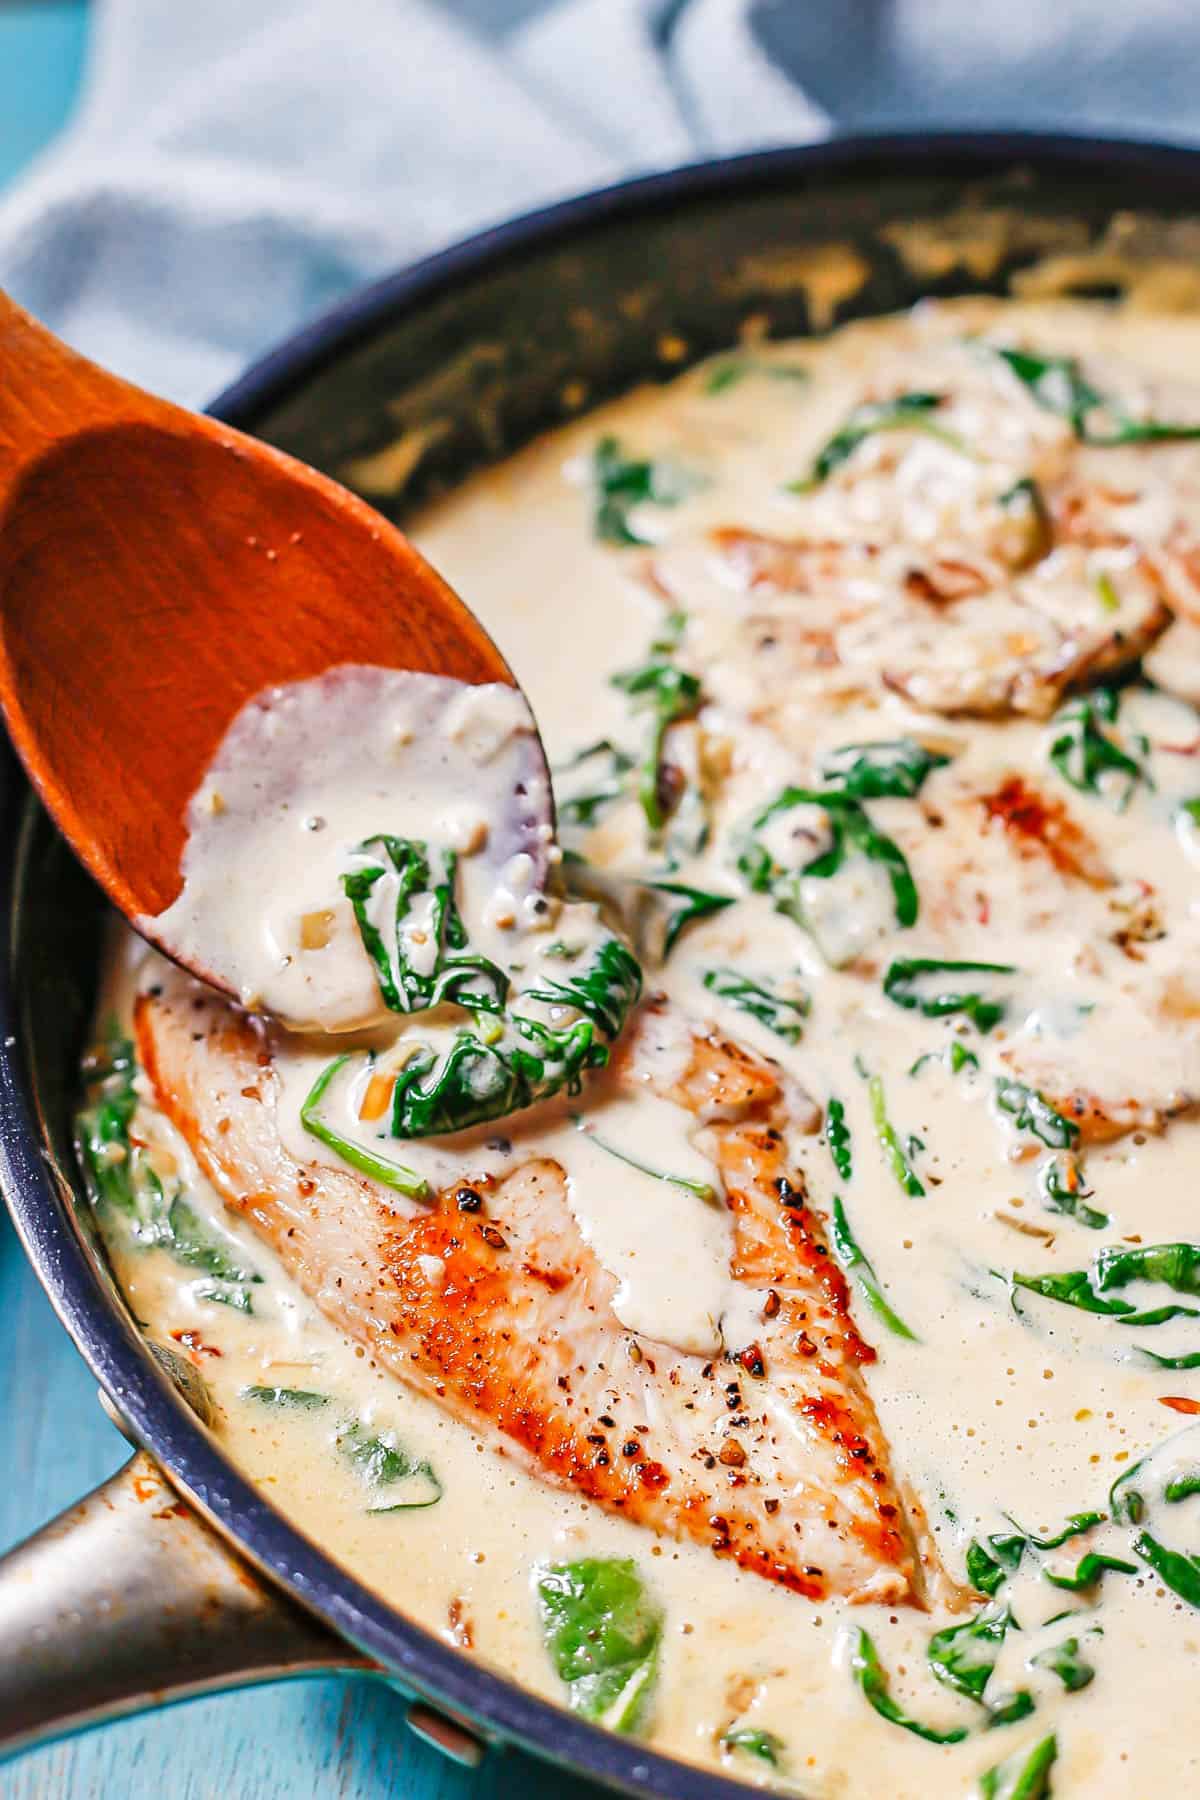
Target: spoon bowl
pixel 158 570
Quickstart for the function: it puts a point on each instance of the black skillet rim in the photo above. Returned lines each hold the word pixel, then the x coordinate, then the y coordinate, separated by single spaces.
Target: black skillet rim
pixel 154 1412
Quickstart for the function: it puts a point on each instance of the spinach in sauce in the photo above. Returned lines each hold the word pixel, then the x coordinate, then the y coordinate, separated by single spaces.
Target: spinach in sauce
pixel 1025 1776
pixel 1059 385
pixel 872 1679
pixel 884 769
pixel 478 1079
pixel 425 904
pixel 602 1631
pixel 1061 1183
pixel 963 1657
pixel 621 482
pixel 703 1190
pixel 1030 1111
pixel 601 769
pixel 379 1168
pixel 122 1178
pixel 764 1745
pixel 1064 1660
pixel 1089 1571
pixel 667 694
pixel 288 1399
pixel 397 1480
pixel 907 412
pixel 901 985
pixel 849 1254
pixel 850 830
pixel 1130 1500
pixel 954 1057
pixel 513 1057
pixel 1175 1266
pixel 1085 751
pixel 784 1014
pixel 837 1136
pixel 888 1139
pixel 991 1564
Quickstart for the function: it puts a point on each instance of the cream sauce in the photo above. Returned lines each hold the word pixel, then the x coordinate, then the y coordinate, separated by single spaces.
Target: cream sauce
pixel 304 775
pixel 1005 1403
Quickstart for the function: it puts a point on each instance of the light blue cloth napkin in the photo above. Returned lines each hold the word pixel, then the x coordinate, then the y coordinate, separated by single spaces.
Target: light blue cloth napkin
pixel 238 164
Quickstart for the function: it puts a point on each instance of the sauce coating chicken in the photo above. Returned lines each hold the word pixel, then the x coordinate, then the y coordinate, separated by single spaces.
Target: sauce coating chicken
pixel 771 1455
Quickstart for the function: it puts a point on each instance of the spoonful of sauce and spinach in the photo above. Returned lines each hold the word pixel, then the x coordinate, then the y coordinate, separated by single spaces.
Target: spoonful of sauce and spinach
pixel 282 744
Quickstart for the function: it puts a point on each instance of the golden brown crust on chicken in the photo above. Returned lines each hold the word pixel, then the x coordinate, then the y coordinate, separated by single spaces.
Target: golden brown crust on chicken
pixel 771 1455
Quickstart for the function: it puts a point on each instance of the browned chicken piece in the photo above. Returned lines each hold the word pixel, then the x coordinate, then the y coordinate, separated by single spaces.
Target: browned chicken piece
pixel 1008 863
pixel 953 630
pixel 771 1455
pixel 970 552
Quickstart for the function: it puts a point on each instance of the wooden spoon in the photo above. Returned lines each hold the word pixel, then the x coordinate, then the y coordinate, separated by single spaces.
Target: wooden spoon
pixel 157 569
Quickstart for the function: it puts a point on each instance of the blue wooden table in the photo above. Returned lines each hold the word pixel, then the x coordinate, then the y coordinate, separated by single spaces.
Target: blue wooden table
pixel 321 1738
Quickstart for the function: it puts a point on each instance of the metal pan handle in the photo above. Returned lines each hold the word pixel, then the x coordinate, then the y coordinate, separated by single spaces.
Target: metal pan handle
pixel 130 1600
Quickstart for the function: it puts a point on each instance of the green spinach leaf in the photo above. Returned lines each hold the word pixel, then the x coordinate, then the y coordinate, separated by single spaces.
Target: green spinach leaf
pixel 601 771
pixel 783 1014
pixel 1025 1776
pixel 602 1632
pixel 963 1657
pixel 1129 1504
pixel 685 906
pixel 121 1177
pixel 423 877
pixel 1061 1183
pixel 1084 752
pixel 476 1080
pixel 667 694
pixel 871 1678
pixel 1088 1572
pixel 621 482
pixel 286 1398
pixel 703 1190
pixel 380 1168
pixel 989 1566
pixel 850 829
pixel 1065 1661
pixel 1178 1570
pixel 752 1742
pixel 385 1467
pixel 1058 384
pixel 888 768
pixel 900 984
pixel 889 1141
pixel 1176 1266
pixel 908 412
pixel 652 914
pixel 1076 1525
pixel 837 1136
pixel 955 1056
pixel 1029 1111
pixel 849 1254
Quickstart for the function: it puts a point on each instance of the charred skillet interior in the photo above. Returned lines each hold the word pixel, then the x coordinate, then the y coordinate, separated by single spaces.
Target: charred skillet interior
pixel 400 393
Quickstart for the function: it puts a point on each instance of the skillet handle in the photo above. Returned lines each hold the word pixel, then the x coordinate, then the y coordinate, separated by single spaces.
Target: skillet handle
pixel 128 1600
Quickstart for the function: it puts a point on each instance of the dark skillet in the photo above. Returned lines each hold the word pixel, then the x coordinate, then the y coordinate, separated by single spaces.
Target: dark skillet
pixel 126 1603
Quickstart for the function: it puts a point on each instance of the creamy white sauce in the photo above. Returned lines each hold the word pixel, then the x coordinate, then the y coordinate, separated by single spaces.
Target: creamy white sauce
pixel 307 773
pixel 992 1411
pixel 666 1244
